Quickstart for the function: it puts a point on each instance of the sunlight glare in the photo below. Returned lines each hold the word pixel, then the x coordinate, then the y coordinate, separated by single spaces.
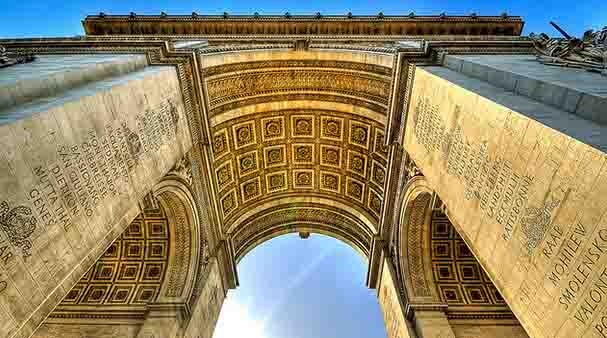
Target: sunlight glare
pixel 236 320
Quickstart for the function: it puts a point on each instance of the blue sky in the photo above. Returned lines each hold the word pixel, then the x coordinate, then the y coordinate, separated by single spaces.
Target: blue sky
pixel 32 18
pixel 313 288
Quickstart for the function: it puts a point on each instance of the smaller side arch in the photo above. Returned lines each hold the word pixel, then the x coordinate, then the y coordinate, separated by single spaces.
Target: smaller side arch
pixel 187 240
pixel 411 242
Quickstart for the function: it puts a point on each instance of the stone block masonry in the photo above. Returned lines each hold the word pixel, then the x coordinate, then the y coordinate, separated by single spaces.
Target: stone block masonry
pixel 525 186
pixel 72 170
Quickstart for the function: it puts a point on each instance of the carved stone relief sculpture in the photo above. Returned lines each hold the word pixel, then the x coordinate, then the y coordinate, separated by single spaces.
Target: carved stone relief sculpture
pixel 589 52
pixel 7 59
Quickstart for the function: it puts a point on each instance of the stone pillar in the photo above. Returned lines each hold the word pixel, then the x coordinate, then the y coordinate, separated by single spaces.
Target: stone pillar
pixel 205 312
pixel 525 184
pixel 161 324
pixel 72 169
pixel 397 325
pixel 432 324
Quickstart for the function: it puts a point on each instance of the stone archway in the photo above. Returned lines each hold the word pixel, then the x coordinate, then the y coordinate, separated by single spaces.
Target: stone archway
pixel 297 137
pixel 147 280
pixel 442 289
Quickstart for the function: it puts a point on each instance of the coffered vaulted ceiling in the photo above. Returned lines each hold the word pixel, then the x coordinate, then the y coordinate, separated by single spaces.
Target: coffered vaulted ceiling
pixel 298 129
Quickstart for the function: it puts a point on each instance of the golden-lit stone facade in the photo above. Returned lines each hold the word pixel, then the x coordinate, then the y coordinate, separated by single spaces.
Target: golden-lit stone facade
pixel 474 191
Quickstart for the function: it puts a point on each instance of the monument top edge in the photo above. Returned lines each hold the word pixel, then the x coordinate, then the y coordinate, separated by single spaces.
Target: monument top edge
pixel 288 24
pixel 288 17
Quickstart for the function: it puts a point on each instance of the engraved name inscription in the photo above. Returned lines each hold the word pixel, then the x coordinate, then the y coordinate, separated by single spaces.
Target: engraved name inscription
pixel 83 176
pixel 501 191
pixel 572 254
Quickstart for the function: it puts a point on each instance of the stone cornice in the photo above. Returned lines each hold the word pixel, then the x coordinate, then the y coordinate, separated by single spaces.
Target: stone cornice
pixel 301 24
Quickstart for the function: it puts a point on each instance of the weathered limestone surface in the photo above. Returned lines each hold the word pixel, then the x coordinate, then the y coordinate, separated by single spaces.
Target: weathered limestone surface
pixel 432 324
pixel 206 311
pixel 526 187
pixel 488 331
pixel 51 75
pixel 572 90
pixel 397 326
pixel 72 170
pixel 122 330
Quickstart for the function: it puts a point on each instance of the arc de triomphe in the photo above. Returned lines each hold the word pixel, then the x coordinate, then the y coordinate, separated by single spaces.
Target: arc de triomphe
pixel 140 162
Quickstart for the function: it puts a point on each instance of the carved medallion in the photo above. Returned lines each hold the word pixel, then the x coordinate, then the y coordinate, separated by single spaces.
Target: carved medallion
pixel 374 202
pixel 274 156
pixel 380 147
pixel 359 134
pixel 276 181
pixel 18 224
pixel 247 163
pixel 330 156
pixel 273 128
pixel 228 202
pixel 250 189
pixel 303 153
pixel 329 181
pixel 357 163
pixel 354 189
pixel 378 174
pixel 224 175
pixel 303 178
pixel 331 128
pixel 220 143
pixel 302 126
pixel 244 134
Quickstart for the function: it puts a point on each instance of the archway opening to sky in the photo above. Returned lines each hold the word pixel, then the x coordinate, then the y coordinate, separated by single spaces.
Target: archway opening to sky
pixel 297 288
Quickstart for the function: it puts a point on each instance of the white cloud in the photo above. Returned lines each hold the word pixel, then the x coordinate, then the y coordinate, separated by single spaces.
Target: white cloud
pixel 236 320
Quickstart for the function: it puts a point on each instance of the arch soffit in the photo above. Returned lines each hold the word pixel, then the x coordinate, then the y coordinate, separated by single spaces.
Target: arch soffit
pixel 362 221
pixel 311 216
pixel 372 58
pixel 129 275
pixel 311 104
pixel 298 125
pixel 300 227
pixel 187 240
pixel 412 240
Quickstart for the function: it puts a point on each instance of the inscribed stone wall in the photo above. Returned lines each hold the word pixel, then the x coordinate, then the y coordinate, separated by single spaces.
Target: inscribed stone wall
pixel 71 175
pixel 394 316
pixel 529 200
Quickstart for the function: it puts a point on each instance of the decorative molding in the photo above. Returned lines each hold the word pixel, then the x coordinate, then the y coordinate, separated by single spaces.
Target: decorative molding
pixel 239 86
pixel 294 217
pixel 329 64
pixel 417 211
pixel 183 170
pixel 301 24
pixel 179 262
pixel 295 96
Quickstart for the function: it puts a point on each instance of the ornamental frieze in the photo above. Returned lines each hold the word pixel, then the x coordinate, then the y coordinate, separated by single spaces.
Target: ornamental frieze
pixel 235 87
